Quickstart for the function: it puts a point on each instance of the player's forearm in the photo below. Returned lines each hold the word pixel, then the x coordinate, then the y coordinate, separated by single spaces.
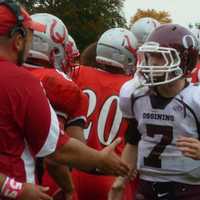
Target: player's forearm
pixel 77 154
pixel 61 175
pixel 76 132
pixel 129 155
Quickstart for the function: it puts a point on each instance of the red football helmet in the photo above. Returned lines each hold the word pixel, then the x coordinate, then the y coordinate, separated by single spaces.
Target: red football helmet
pixel 178 48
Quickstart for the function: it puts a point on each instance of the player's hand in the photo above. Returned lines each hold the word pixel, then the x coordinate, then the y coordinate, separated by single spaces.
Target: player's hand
pixel 61 195
pixel 116 194
pixel 132 174
pixel 190 147
pixel 111 163
pixel 68 196
pixel 138 79
pixel 34 192
pixel 117 190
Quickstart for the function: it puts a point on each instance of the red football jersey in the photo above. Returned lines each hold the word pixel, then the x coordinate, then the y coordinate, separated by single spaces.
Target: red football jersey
pixel 28 125
pixel 105 124
pixel 64 95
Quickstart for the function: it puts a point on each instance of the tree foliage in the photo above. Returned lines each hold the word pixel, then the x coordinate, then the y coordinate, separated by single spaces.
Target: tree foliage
pixel 85 19
pixel 161 16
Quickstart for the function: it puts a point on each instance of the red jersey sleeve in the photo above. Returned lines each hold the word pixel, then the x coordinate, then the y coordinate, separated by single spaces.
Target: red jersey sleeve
pixel 42 130
pixel 65 96
pixel 63 93
pixel 81 109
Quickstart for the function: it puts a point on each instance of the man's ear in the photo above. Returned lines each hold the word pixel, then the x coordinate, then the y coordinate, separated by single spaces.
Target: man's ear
pixel 18 42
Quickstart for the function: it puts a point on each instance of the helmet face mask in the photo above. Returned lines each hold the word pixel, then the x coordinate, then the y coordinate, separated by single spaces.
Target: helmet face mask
pixel 169 53
pixel 72 55
pixel 159 65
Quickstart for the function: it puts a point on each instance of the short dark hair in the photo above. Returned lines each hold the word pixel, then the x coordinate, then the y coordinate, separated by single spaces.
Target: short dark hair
pixel 88 56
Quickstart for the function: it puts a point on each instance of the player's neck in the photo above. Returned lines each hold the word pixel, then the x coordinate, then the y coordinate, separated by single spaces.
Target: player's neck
pixel 111 69
pixel 171 89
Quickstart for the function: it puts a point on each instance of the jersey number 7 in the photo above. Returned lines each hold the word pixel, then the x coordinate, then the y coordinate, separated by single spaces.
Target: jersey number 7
pixel 153 160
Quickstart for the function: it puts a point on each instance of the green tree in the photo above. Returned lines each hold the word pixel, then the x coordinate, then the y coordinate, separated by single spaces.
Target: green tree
pixel 86 20
pixel 29 5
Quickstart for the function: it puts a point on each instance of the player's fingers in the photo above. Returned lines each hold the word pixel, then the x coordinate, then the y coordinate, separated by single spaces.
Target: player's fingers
pixel 187 144
pixel 43 189
pixel 115 143
pixel 124 170
pixel 190 155
pixel 187 150
pixel 187 139
pixel 44 196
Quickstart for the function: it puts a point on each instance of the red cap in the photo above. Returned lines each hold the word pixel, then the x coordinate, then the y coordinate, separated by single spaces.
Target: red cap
pixel 8 20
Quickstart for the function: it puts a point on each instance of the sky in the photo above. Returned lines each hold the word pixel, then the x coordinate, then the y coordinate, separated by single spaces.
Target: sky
pixel 182 11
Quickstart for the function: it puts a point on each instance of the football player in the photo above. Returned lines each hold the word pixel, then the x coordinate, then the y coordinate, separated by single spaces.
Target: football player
pixel 48 60
pixel 115 57
pixel 163 106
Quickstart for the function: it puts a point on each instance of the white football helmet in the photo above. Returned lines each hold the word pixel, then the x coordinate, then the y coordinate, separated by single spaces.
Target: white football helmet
pixel 143 27
pixel 50 46
pixel 117 47
pixel 196 33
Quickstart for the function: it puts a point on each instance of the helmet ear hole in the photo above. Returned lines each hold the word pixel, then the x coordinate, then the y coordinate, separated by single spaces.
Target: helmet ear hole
pixel 129 60
pixel 56 51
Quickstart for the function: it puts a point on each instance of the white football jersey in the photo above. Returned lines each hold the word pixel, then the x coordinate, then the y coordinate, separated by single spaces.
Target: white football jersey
pixel 160 122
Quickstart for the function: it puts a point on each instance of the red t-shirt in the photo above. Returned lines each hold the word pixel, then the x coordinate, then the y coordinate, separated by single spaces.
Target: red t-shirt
pixel 28 125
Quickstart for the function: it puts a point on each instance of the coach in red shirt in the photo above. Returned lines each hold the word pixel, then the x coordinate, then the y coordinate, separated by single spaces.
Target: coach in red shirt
pixel 28 125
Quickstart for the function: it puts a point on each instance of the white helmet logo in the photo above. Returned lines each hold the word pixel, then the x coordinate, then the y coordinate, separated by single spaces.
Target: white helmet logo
pixel 188 40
